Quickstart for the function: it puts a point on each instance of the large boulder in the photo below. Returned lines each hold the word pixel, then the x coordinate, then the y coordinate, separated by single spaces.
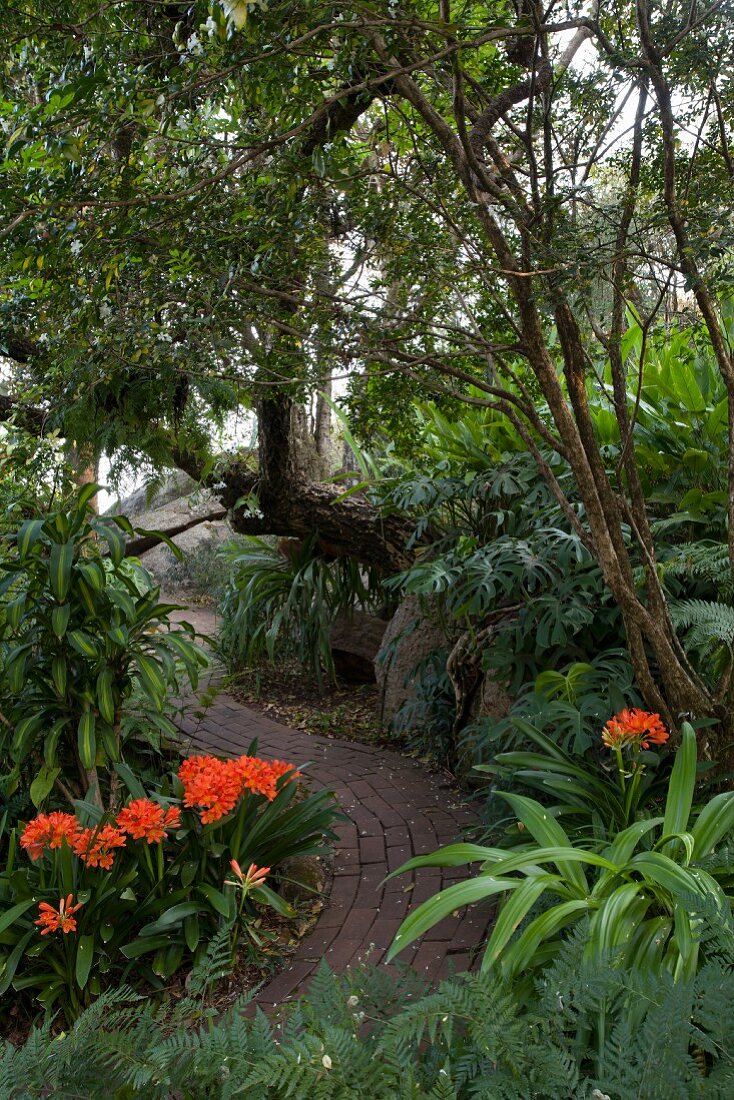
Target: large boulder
pixel 412 635
pixel 198 570
pixel 142 500
pixel 194 520
pixel 355 638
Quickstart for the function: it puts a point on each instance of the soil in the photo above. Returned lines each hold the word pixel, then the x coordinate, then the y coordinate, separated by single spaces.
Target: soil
pixel 285 694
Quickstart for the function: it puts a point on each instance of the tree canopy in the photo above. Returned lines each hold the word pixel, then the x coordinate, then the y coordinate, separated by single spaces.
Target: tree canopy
pixel 210 206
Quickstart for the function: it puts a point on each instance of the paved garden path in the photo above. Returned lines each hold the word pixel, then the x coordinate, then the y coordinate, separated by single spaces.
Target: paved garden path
pixel 396 808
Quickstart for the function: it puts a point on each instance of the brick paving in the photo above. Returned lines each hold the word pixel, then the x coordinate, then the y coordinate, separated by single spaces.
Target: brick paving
pixel 395 809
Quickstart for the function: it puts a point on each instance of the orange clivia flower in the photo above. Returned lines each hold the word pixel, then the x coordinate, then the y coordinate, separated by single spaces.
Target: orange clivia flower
pixel 144 819
pixel 53 920
pixel 49 831
pixel 96 848
pixel 216 786
pixel 634 727
pixel 211 784
pixel 255 875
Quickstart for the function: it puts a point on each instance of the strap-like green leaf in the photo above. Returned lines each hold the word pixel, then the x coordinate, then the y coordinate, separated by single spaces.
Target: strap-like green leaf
pixel 513 912
pixel 682 783
pixel 28 535
pixel 86 739
pixel 83 643
pixel 59 569
pixel 86 493
pixel 453 855
pixel 520 954
pixel 105 696
pixel 60 619
pixel 442 904
pixel 714 822
pixel 59 675
pixel 151 678
pixel 547 832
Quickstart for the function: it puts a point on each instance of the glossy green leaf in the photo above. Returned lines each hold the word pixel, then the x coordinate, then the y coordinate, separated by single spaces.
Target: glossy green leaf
pixel 547 832
pixel 86 739
pixel 519 955
pixel 445 902
pixel 453 855
pixel 682 783
pixel 151 677
pixel 84 959
pixel 59 569
pixel 42 785
pixel 512 914
pixel 105 696
pixel 192 932
pixel 83 643
pixel 28 534
pixel 59 619
pixel 713 823
pixel 171 918
pixel 11 915
pixel 59 675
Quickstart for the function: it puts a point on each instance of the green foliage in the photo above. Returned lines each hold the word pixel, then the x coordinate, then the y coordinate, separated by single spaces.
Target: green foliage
pixel 157 906
pixel 426 720
pixel 278 603
pixel 642 893
pixel 569 705
pixel 85 636
pixel 47 477
pixel 583 792
pixel 470 1040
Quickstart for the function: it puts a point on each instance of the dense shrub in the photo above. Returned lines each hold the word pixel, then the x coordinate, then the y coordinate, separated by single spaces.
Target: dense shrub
pixel 88 655
pixel 139 891
pixel 285 602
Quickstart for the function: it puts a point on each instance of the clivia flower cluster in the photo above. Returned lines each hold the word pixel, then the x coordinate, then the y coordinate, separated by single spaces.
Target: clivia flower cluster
pixel 216 786
pixel 53 920
pixel 636 728
pixel 141 819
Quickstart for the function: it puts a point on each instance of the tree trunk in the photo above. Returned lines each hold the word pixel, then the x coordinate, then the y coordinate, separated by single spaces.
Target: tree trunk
pixel 290 503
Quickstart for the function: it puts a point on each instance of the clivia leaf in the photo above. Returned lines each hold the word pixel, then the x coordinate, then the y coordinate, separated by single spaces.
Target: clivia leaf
pixel 84 959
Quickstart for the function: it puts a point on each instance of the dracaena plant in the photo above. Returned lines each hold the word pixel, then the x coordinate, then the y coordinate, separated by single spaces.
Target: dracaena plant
pixel 641 893
pixel 83 638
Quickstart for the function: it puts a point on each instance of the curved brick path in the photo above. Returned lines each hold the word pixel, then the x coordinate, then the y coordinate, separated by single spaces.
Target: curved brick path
pixel 396 809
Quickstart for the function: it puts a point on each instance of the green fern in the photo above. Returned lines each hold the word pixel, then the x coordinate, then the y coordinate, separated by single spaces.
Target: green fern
pixel 707 624
pixel 369 1034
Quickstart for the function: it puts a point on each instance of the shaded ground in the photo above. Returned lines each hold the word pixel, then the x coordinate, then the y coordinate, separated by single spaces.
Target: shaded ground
pixel 283 693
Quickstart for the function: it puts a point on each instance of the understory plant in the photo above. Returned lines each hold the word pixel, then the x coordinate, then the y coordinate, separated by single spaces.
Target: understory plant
pixel 88 655
pixel 592 797
pixel 136 893
pixel 370 1033
pixel 644 892
pixel 284 601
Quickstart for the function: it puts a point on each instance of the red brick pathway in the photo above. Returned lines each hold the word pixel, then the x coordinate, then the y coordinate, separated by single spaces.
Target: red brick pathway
pixel 396 809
